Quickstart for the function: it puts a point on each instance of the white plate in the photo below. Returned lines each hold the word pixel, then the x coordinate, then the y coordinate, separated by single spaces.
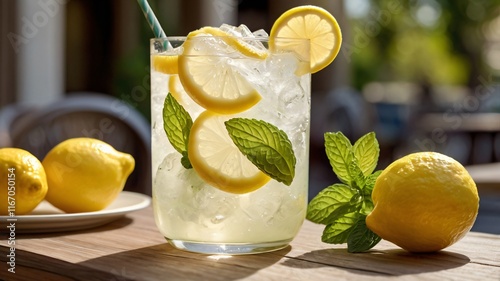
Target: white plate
pixel 47 218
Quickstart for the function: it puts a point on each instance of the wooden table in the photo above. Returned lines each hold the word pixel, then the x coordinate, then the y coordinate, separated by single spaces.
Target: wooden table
pixel 132 249
pixel 487 178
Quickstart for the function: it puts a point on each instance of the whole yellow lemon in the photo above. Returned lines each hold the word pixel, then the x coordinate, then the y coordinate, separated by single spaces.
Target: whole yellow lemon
pixel 85 174
pixel 23 183
pixel 424 202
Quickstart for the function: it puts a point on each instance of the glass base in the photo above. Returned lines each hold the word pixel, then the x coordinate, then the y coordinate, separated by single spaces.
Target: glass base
pixel 228 248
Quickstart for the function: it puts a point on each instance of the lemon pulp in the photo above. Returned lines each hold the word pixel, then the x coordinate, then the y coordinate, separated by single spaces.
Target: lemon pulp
pixel 208 76
pixel 216 158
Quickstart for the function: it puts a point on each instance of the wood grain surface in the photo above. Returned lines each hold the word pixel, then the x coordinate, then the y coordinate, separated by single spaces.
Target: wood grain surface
pixel 131 248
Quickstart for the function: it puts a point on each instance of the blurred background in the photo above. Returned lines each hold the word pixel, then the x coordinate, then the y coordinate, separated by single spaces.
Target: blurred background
pixel 422 74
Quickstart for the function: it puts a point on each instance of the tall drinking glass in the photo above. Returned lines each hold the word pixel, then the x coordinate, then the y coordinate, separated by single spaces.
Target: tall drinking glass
pixel 222 187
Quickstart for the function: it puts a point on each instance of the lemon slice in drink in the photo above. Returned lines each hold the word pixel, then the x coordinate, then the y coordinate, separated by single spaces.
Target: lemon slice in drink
pixel 208 73
pixel 216 158
pixel 175 88
pixel 180 95
pixel 165 64
pixel 313 23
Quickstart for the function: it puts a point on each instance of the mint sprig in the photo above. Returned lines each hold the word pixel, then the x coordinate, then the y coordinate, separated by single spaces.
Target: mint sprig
pixel 265 145
pixel 177 124
pixel 361 238
pixel 343 207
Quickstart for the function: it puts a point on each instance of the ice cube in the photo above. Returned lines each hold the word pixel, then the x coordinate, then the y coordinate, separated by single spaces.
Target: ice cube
pixel 244 31
pixel 166 173
pixel 224 209
pixel 189 197
pixel 262 208
pixel 212 205
pixel 261 33
pixel 240 31
pixel 232 30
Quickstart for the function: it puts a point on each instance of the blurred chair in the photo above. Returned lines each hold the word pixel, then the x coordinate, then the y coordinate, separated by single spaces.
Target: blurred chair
pixel 497 147
pixel 39 129
pixel 343 110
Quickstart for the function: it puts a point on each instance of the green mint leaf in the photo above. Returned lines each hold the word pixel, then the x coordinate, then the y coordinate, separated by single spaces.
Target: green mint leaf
pixel 361 238
pixel 331 203
pixel 366 206
pixel 266 146
pixel 354 204
pixel 357 177
pixel 177 124
pixel 366 151
pixel 185 160
pixel 370 183
pixel 339 152
pixel 339 231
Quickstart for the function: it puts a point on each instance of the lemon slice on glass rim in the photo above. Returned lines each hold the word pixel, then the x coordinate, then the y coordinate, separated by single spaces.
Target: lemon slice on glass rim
pixel 313 23
pixel 217 160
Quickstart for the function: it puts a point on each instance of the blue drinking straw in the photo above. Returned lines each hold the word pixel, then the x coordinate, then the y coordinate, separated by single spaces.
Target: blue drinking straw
pixel 153 22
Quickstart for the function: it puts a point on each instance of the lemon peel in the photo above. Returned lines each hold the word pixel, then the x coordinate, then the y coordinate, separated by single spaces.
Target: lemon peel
pixel 23 182
pixel 85 174
pixel 423 202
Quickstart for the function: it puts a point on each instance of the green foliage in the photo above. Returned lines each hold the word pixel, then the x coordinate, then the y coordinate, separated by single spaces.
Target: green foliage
pixel 343 207
pixel 394 42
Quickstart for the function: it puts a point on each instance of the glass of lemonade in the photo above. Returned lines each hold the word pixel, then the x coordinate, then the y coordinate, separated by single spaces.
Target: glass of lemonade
pixel 230 117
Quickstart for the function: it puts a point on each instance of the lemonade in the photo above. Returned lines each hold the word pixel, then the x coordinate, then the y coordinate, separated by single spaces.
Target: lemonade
pixel 230 136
